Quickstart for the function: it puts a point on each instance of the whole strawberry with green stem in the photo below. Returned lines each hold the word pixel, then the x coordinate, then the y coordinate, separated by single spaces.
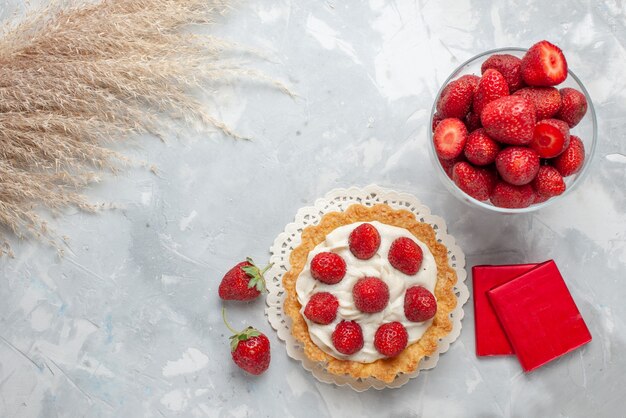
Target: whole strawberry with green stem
pixel 243 282
pixel 249 348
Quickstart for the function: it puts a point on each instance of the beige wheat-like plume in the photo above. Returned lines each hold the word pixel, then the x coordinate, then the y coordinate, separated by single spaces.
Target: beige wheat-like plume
pixel 75 77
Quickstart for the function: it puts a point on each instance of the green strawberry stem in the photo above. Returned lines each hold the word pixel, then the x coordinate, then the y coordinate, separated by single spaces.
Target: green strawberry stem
pixel 269 266
pixel 238 336
pixel 256 275
pixel 226 322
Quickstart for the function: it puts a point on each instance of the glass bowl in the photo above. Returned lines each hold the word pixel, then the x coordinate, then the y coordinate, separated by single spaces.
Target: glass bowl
pixel 586 129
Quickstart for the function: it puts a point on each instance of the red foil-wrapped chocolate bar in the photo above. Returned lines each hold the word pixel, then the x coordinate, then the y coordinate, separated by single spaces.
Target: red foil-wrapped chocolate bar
pixel 539 316
pixel 491 339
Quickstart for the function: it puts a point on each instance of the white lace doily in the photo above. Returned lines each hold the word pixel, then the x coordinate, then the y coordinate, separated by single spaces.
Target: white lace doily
pixel 339 200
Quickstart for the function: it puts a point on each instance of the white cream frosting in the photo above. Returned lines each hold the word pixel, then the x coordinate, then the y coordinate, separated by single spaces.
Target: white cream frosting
pixel 377 266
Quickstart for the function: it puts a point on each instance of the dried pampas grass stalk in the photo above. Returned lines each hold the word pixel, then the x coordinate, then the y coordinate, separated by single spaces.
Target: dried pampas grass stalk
pixel 74 78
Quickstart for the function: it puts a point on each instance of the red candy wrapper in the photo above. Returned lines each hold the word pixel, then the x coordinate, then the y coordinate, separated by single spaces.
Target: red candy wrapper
pixel 491 339
pixel 539 316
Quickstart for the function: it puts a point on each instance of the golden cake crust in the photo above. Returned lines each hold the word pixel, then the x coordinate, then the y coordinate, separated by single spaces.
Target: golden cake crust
pixel 408 361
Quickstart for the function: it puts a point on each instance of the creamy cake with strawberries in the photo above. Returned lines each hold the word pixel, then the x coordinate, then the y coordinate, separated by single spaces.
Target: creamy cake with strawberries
pixel 369 292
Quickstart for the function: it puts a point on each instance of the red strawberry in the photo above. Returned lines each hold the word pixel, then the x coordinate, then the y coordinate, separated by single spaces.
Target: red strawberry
pixel 390 339
pixel 507 195
pixel 517 165
pixel 456 98
pixel 491 86
pixel 572 159
pixel 322 308
pixel 328 267
pixel 347 337
pixel 551 137
pixel 547 100
pixel 476 182
pixel 436 119
pixel 243 282
pixel 548 141
pixel 370 294
pixel 449 138
pixel 448 165
pixel 419 304
pixel 544 65
pixel 574 106
pixel 250 349
pixel 548 182
pixel 472 121
pixel 480 149
pixel 510 120
pixel 364 241
pixel 509 66
pixel 471 79
pixel 405 255
pixel 540 199
pixel 560 125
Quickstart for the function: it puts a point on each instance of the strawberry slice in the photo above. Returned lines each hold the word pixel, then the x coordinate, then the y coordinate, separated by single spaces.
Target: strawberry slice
pixel 544 65
pixel 449 138
pixel 547 141
pixel 551 138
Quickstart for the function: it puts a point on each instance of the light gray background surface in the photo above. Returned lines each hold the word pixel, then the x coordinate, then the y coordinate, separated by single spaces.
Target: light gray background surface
pixel 128 323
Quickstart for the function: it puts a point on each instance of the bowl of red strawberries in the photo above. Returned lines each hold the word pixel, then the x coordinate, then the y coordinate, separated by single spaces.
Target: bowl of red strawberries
pixel 513 129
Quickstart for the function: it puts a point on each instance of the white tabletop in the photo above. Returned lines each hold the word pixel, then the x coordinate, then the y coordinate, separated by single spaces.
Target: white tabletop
pixel 128 322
